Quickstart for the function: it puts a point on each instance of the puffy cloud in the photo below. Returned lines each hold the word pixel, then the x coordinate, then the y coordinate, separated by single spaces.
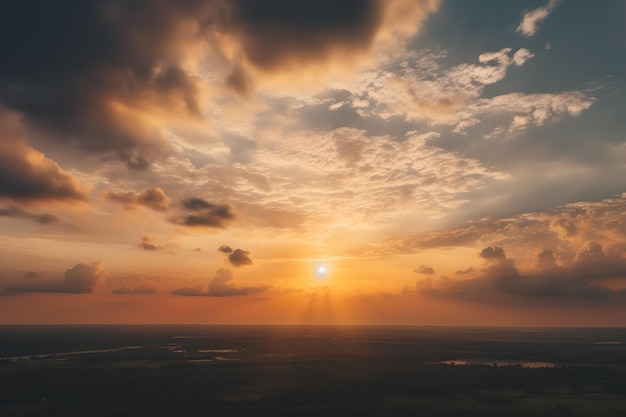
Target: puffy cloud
pixel 492 253
pixel 425 270
pixel 81 279
pixel 153 198
pixel 225 249
pixel 531 19
pixel 240 257
pixel 521 56
pixel 549 280
pixel 13 211
pixel 26 175
pixel 138 289
pixel 148 243
pixel 221 285
pixel 205 214
pixel 466 271
pixel 594 263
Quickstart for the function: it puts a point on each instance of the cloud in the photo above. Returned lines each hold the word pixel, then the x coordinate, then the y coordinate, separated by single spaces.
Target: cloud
pixel 531 19
pixel 205 214
pixel 221 285
pixel 521 56
pixel 101 90
pixel 240 257
pixel 420 87
pixel 149 243
pixel 385 178
pixel 139 289
pixel 466 271
pixel 13 211
pixel 196 291
pixel 225 249
pixel 153 198
pixel 549 280
pixel 285 37
pixel 568 228
pixel 425 270
pixel 26 175
pixel 492 253
pixel 136 69
pixel 81 279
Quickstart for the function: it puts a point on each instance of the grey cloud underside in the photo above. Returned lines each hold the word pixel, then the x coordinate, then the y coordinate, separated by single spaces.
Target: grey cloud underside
pixel 240 257
pixel 225 249
pixel 205 214
pixel 153 198
pixel 134 290
pixel 13 211
pixel 26 176
pixel 81 279
pixel 424 270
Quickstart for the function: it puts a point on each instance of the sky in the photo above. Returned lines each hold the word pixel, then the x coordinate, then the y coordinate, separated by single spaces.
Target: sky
pixel 400 162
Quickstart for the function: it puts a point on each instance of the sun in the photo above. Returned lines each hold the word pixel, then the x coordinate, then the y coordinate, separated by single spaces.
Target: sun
pixel 321 271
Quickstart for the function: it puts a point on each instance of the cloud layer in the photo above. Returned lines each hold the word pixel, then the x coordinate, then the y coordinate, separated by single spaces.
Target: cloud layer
pixel 81 279
pixel 221 285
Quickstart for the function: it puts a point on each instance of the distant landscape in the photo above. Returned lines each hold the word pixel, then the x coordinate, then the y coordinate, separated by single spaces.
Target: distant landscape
pixel 311 370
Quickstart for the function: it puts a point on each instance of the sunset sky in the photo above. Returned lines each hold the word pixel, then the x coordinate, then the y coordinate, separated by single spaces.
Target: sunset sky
pixel 357 161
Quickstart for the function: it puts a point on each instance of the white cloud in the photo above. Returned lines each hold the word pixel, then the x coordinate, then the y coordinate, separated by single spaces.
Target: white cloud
pixel 532 18
pixel 521 56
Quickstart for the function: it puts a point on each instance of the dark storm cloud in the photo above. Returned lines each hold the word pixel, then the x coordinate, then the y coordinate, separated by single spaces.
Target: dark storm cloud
pixel 146 289
pixel 26 175
pixel 424 270
pixel 153 198
pixel 81 279
pixel 221 285
pixel 580 281
pixel 12 211
pixel 205 214
pixel 240 257
pixel 84 71
pixel 102 75
pixel 225 249
pixel 279 33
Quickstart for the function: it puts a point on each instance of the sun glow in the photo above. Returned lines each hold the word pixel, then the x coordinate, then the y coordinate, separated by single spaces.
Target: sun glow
pixel 321 271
